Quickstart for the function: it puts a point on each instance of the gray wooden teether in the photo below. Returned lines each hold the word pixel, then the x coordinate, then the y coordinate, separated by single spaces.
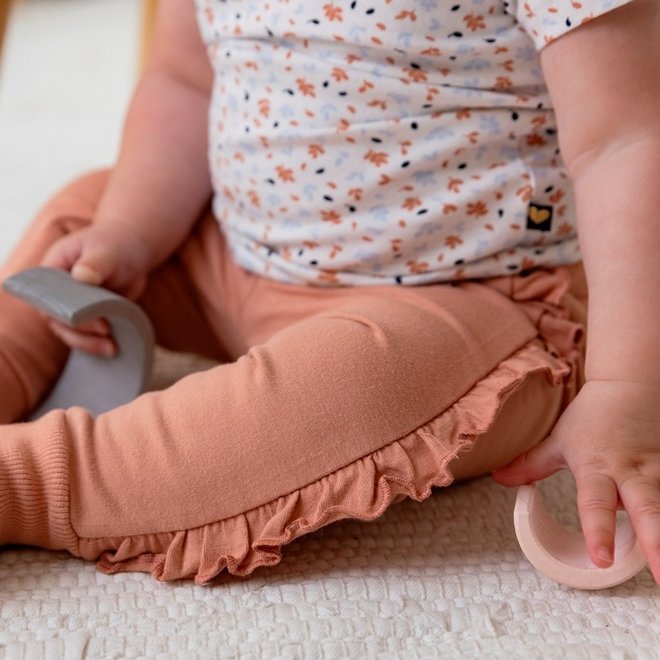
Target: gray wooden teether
pixel 96 383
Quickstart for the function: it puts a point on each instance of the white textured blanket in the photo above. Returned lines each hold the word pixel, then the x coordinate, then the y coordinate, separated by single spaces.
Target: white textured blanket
pixel 443 578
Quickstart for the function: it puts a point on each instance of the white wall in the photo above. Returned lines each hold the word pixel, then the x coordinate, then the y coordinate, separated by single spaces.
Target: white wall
pixel 65 80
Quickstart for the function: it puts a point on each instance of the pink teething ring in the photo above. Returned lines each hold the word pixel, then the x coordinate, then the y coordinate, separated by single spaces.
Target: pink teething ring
pixel 561 553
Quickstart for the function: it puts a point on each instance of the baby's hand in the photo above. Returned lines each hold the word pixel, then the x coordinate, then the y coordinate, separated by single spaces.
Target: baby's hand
pixel 109 256
pixel 609 437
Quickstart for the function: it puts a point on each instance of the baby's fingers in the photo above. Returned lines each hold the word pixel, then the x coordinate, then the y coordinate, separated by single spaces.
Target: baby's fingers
pixel 597 500
pixel 93 337
pixel 641 498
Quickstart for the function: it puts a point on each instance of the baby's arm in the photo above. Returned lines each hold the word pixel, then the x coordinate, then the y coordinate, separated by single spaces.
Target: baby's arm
pixel 161 181
pixel 604 78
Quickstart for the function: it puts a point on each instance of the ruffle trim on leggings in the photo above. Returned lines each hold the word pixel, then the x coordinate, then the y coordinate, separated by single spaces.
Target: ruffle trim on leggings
pixel 408 467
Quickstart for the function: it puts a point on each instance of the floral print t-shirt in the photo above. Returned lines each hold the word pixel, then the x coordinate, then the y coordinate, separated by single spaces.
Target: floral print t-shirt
pixel 372 142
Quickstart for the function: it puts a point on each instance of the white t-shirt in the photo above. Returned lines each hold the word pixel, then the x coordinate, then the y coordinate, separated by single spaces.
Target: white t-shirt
pixel 371 142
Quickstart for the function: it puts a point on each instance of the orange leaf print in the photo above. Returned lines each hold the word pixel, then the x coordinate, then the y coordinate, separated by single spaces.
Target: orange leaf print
pixel 356 193
pixel 406 14
pixel 253 196
pixel 540 121
pixel 474 23
pixel 332 12
pixel 412 203
pixel 503 82
pixel 331 216
pixel 329 276
pixel 527 263
pixel 339 74
pixel 453 241
pixel 455 185
pixel 285 173
pixel 378 158
pixel 449 208
pixel 477 208
pixel 264 107
pixel 416 74
pixel 315 150
pixel 336 249
pixel 415 266
pixel 463 114
pixel 376 103
pixel 536 140
pixel 557 196
pixel 306 88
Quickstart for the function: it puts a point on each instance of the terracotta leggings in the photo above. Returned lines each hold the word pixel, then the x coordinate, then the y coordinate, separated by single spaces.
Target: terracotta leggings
pixel 330 403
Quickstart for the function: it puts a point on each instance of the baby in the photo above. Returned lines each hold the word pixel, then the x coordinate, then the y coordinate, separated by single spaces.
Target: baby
pixel 389 275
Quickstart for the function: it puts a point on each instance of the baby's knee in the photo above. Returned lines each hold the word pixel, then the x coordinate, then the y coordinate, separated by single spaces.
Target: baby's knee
pixel 86 188
pixel 74 205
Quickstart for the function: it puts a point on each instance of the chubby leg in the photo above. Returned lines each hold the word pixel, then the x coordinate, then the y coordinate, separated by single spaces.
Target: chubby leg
pixel 31 357
pixel 336 415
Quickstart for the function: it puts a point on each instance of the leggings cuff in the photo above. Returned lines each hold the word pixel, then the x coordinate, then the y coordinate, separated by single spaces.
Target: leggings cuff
pixel 12 394
pixel 34 488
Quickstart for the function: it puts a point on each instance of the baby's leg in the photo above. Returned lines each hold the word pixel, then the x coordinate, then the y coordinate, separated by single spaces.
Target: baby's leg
pixel 336 415
pixel 31 358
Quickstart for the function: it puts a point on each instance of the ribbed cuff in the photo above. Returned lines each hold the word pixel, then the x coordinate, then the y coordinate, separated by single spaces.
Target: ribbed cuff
pixel 12 395
pixel 34 485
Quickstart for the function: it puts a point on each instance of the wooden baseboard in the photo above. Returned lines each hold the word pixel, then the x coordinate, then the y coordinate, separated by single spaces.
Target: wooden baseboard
pixel 149 8
pixel 5 8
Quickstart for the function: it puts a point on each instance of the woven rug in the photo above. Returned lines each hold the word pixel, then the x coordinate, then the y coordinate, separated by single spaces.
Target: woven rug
pixel 443 578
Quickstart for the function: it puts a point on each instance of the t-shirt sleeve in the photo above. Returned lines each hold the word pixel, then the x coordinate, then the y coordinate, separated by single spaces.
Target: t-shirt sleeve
pixel 545 20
